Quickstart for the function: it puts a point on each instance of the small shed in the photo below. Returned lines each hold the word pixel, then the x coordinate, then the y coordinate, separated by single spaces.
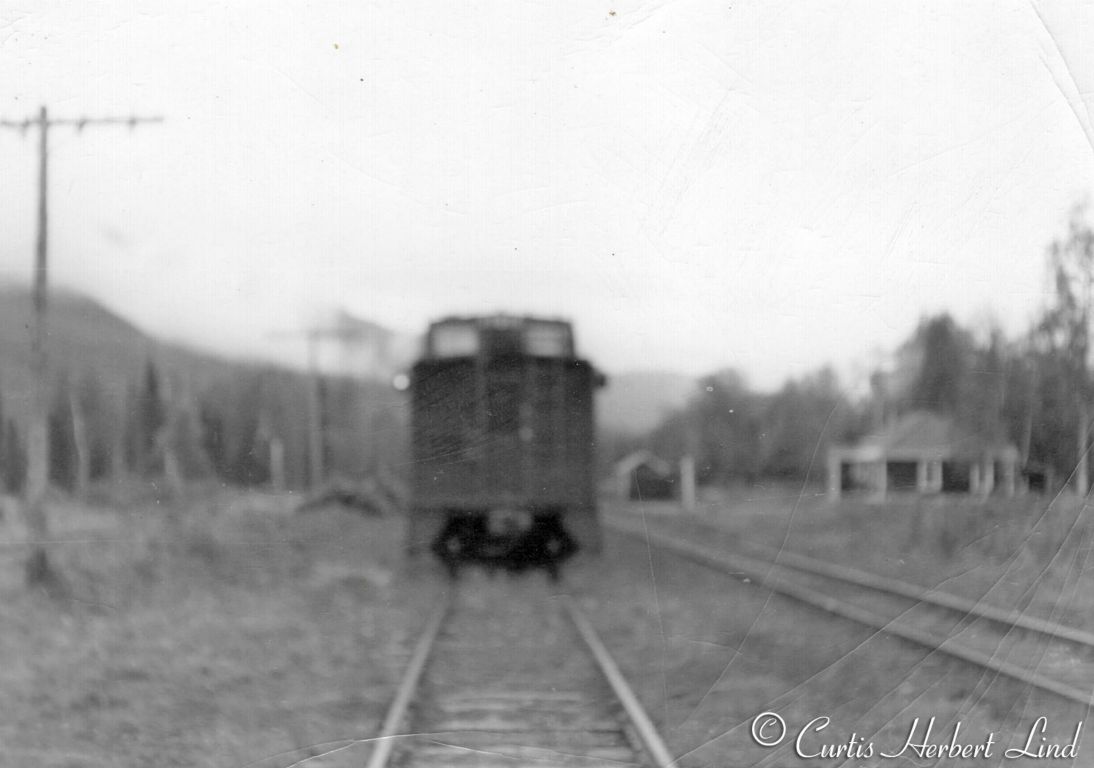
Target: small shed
pixel 643 476
pixel 923 452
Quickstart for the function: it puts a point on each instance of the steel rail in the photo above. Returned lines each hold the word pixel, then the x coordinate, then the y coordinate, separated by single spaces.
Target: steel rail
pixel 879 583
pixel 396 713
pixel 913 592
pixel 944 600
pixel 647 733
pixel 761 572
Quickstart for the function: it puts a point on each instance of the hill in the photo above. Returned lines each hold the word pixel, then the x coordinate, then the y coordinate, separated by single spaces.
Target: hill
pixel 87 339
pixel 636 402
pixel 224 417
pixel 82 336
pixel 366 420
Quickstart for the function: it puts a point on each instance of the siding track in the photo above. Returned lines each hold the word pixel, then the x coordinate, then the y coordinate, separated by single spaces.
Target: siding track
pixel 1041 654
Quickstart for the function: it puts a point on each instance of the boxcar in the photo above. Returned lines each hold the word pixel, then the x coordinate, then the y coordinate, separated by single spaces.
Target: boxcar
pixel 502 434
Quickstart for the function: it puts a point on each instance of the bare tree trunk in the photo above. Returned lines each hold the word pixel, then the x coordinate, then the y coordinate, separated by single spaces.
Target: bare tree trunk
pixel 172 470
pixel 1082 478
pixel 118 469
pixel 79 441
pixel 1027 427
pixel 168 437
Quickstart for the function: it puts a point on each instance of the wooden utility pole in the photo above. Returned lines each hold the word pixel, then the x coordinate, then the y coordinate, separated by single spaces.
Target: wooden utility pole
pixel 316 460
pixel 687 467
pixel 316 470
pixel 37 472
pixel 314 402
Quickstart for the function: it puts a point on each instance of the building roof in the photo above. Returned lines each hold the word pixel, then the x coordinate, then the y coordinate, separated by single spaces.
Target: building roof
pixel 633 461
pixel 922 434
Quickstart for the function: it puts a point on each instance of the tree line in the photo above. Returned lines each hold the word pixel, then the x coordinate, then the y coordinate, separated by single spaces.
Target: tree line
pixel 1033 391
pixel 246 428
pixel 249 427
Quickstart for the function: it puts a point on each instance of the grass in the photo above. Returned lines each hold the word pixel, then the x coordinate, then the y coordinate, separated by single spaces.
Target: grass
pixel 223 630
pixel 1031 552
pixel 707 652
pixel 226 630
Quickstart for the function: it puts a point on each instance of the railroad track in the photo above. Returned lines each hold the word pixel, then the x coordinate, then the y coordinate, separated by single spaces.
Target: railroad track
pixel 1042 654
pixel 509 674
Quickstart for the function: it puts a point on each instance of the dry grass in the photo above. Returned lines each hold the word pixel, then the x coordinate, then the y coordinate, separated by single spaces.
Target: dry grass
pixel 707 653
pixel 227 631
pixel 219 631
pixel 1032 552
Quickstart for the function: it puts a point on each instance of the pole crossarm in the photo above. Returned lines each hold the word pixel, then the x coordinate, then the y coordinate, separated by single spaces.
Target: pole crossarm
pixel 79 123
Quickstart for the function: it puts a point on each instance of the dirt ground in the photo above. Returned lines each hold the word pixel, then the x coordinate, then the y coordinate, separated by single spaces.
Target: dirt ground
pixel 228 631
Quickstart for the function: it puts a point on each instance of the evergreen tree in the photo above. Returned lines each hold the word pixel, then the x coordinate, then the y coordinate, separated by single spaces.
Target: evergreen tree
pixel 212 440
pixel 15 459
pixel 62 448
pixel 940 382
pixel 799 422
pixel 150 416
pixel 4 458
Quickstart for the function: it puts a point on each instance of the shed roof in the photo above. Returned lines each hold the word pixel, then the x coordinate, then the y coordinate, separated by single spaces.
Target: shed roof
pixel 922 433
pixel 633 461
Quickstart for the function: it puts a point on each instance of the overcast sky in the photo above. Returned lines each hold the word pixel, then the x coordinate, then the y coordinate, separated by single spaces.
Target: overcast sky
pixel 764 185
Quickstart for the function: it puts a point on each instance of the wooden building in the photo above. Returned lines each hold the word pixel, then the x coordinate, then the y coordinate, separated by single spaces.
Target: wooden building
pixel 923 452
pixel 642 476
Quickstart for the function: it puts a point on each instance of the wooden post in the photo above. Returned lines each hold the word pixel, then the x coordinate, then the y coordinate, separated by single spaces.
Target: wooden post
pixel 687 483
pixel 835 475
pixel 1082 478
pixel 315 416
pixel 987 482
pixel 277 464
pixel 881 478
pixel 38 569
pixel 1009 477
pixel 922 476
